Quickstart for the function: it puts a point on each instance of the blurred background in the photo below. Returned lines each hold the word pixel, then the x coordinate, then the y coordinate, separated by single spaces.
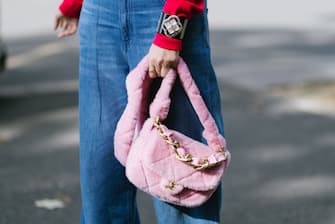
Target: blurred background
pixel 275 64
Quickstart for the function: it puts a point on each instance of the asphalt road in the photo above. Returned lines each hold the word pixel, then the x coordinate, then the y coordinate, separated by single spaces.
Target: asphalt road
pixel 283 157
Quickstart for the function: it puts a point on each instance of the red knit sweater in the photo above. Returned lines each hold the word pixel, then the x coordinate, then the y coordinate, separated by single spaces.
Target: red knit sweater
pixel 184 8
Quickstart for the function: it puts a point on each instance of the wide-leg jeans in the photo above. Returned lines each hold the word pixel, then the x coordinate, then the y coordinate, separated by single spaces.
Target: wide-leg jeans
pixel 114 36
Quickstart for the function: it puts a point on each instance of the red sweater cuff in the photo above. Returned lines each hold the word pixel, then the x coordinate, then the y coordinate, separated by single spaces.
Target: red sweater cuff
pixel 167 42
pixel 71 8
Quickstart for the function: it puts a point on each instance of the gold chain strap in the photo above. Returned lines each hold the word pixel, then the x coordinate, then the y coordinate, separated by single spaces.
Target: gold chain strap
pixel 187 158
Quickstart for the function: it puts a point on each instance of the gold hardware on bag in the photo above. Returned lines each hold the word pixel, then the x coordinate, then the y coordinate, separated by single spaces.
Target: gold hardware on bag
pixel 204 164
pixel 171 185
pixel 221 150
pixel 187 158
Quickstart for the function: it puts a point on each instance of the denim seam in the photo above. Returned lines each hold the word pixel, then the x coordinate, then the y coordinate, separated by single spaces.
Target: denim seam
pixel 97 64
pixel 128 20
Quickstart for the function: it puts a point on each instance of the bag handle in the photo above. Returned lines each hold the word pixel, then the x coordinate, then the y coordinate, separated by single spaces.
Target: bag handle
pixel 137 84
pixel 160 105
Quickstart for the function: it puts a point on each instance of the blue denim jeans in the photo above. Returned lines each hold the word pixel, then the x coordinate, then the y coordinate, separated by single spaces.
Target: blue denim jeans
pixel 114 36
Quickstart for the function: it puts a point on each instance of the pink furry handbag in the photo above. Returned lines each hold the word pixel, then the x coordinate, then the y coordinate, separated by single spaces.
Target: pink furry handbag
pixel 162 162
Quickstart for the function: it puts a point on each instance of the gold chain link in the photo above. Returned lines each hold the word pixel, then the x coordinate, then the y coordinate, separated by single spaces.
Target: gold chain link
pixel 187 158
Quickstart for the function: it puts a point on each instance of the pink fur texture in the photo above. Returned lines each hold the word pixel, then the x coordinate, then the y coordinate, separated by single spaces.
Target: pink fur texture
pixel 150 162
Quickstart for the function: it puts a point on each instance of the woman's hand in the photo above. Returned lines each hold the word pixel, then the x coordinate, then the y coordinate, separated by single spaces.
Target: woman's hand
pixel 68 25
pixel 161 60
